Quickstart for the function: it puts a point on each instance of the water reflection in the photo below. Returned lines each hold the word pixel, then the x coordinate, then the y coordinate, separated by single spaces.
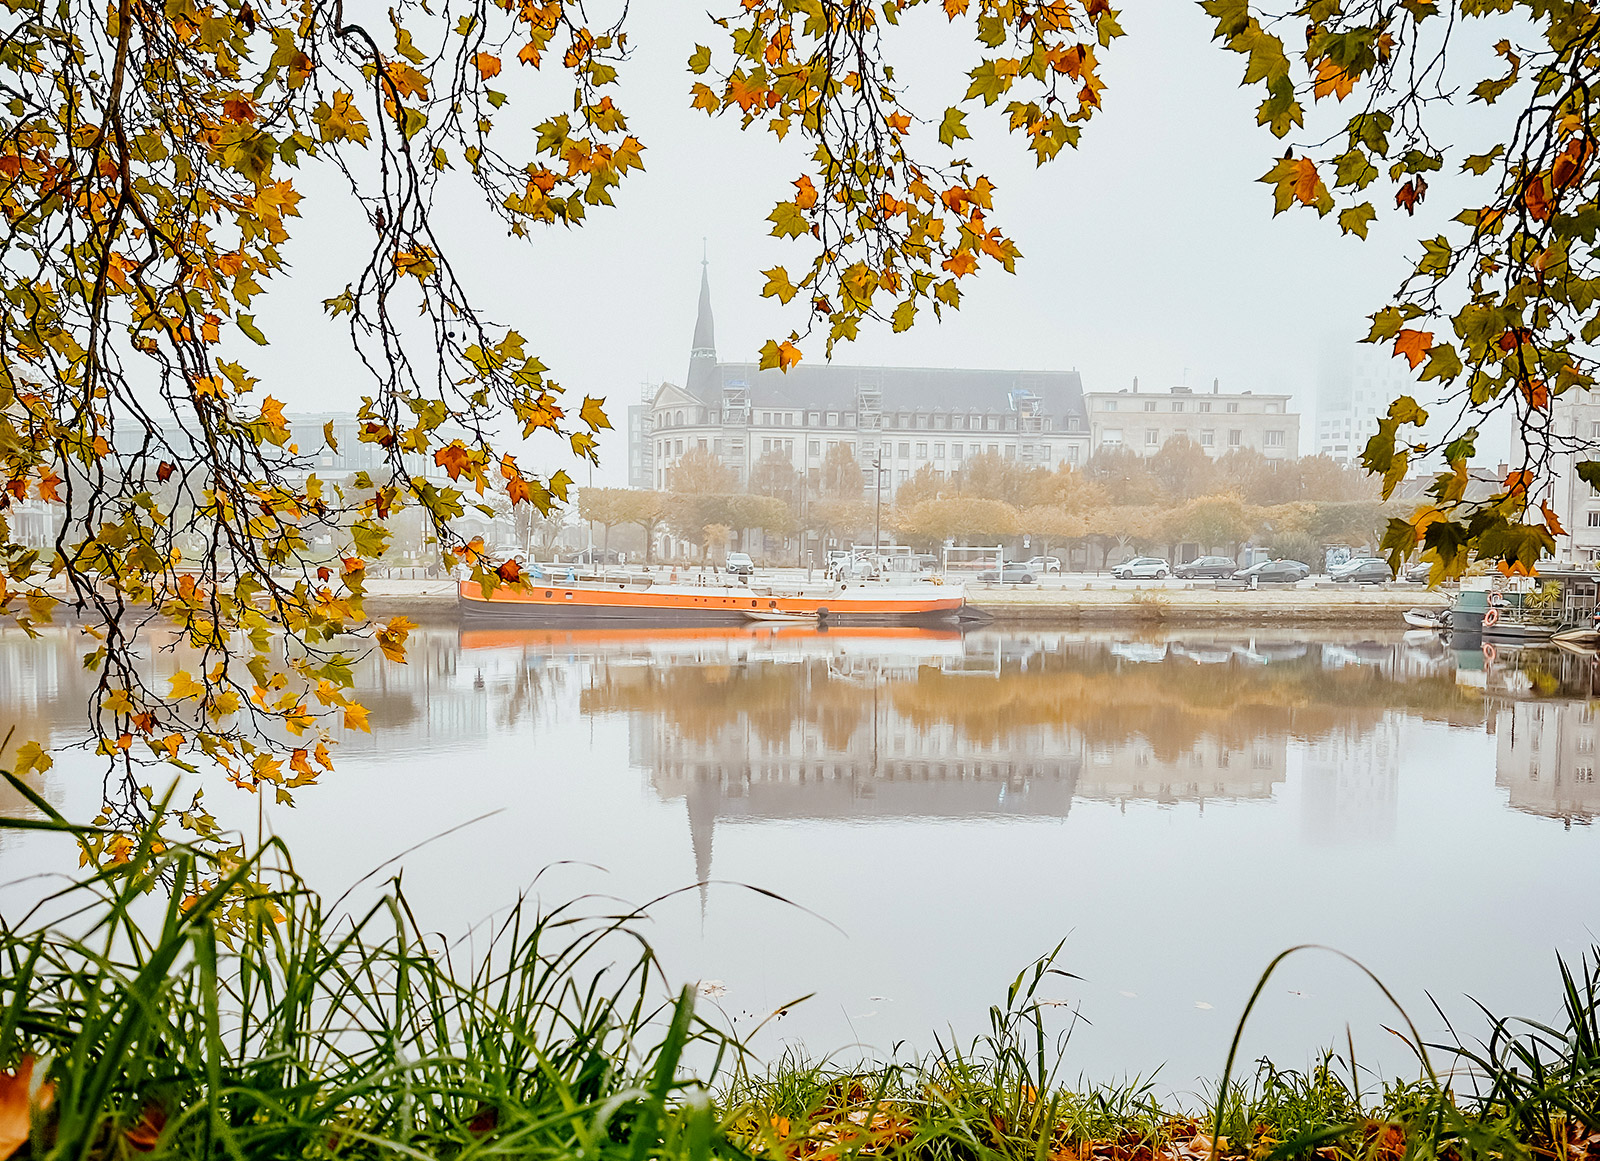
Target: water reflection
pixel 1186 805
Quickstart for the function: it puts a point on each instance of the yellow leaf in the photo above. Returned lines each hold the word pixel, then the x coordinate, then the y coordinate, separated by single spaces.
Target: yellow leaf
pixel 184 686
pixel 32 756
pixel 592 414
pixel 355 717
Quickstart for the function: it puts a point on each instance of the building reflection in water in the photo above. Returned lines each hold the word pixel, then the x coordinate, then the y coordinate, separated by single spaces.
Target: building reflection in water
pixel 783 723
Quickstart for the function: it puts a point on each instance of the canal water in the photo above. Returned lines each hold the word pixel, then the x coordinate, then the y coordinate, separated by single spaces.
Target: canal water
pixel 895 822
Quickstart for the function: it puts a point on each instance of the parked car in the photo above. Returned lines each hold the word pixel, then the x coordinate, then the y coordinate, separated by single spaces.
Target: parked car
pixel 1012 572
pixel 1142 568
pixel 1274 572
pixel 740 564
pixel 1045 564
pixel 1355 563
pixel 1418 573
pixel 1207 568
pixel 1368 572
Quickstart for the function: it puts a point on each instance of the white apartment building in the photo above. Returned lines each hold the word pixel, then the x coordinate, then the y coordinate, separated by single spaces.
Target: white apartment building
pixel 1353 398
pixel 1145 420
pixel 913 417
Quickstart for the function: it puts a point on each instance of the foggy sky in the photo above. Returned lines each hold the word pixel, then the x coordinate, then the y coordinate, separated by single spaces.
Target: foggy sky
pixel 1151 251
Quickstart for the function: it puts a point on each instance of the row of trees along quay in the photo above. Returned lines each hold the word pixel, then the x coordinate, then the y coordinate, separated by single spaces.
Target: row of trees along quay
pixel 1117 502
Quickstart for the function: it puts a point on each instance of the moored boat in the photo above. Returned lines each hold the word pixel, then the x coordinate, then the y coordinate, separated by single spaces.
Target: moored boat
pixel 1427 618
pixel 639 599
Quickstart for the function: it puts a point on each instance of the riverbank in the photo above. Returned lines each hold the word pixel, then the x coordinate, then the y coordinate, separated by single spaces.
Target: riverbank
pixel 565 1040
pixel 1065 603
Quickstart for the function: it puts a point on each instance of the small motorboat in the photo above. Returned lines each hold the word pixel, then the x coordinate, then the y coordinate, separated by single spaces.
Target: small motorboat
pixel 1427 618
pixel 1578 636
pixel 782 617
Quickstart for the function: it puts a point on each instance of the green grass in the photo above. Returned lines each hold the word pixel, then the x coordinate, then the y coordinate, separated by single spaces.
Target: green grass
pixel 185 1008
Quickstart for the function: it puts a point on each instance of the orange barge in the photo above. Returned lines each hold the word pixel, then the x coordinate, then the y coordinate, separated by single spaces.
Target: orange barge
pixel 640 600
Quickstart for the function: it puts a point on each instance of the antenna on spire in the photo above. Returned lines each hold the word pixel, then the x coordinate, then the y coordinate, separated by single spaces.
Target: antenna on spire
pixel 705 259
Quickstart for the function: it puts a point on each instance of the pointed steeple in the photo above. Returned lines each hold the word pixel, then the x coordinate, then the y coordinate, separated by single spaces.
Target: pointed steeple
pixel 705 334
pixel 702 380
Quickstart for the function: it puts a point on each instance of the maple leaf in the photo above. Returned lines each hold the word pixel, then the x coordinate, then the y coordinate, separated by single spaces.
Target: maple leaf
pixel 1551 520
pixel 1414 345
pixel 16 1107
pixel 453 458
pixel 510 572
pixel 806 195
pixel 488 64
pixel 961 264
pixel 1536 393
pixel 392 638
pixel 1307 182
pixel 185 686
pixel 780 355
pixel 1517 481
pixel 164 471
pixel 1332 79
pixel 592 414
pixel 355 717
pixel 48 483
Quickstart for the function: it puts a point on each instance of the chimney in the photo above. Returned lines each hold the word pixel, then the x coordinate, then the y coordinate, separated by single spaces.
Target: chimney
pixel 1213 386
pixel 1136 384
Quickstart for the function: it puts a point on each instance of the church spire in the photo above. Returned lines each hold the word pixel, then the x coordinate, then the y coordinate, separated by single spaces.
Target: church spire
pixel 705 335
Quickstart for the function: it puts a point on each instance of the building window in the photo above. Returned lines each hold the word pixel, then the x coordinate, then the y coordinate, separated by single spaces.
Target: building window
pixel 1594 520
pixel 938 451
pixel 905 451
pixel 1011 451
pixel 849 418
pixel 1177 405
pixel 1108 405
pixel 1208 439
pixel 1152 437
pixel 1072 423
pixel 994 449
pixel 1044 451
pixel 766 445
pixel 902 475
pixel 1235 438
pixel 716 447
pixel 814 418
pixel 680 447
pixel 1274 408
pixel 1204 406
pixel 1274 439
pixel 1233 408
pixel 922 451
pixel 1072 453
pixel 922 420
pixel 955 451
pixel 1111 436
pixel 1149 404
pixel 1594 431
pixel 814 447
pixel 702 444
pixel 833 419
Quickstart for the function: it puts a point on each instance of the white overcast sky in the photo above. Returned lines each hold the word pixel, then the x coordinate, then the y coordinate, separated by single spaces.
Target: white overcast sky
pixel 1151 251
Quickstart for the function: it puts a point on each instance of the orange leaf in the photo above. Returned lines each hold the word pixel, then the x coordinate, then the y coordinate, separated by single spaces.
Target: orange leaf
pixel 15 1112
pixel 1307 185
pixel 1414 345
pixel 453 458
pixel 510 572
pixel 1551 520
pixel 1517 481
pixel 1331 78
pixel 146 1133
pixel 807 197
pixel 961 264
pixel 488 64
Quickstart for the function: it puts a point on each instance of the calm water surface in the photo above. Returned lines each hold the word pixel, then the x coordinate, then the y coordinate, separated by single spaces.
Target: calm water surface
pixel 940 809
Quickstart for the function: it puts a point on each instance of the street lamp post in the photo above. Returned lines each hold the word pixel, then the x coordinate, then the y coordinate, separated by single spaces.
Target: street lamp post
pixel 877 503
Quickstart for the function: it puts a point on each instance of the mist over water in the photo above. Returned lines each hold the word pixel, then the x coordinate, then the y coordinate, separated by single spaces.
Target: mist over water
pixel 935 810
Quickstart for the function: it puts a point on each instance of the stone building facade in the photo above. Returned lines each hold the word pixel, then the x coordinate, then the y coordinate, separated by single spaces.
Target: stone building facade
pixel 1218 422
pixel 913 417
